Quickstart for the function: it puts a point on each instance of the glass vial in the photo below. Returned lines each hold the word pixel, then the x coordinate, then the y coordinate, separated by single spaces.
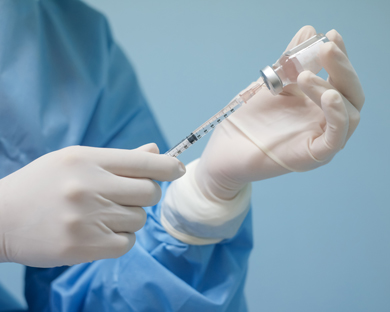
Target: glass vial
pixel 285 71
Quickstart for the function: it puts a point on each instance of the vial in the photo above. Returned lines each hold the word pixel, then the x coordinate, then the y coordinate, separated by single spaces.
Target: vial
pixel 285 71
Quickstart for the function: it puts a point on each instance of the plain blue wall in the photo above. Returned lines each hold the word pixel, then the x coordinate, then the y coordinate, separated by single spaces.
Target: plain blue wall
pixel 322 238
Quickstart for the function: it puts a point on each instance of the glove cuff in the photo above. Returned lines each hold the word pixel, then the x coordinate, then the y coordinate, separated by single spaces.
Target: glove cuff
pixel 189 216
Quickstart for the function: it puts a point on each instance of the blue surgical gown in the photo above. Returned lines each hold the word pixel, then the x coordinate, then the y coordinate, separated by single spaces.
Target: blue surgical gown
pixel 64 81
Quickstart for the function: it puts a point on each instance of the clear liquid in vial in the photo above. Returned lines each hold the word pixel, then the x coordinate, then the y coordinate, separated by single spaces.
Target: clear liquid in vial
pixel 300 58
pixel 288 69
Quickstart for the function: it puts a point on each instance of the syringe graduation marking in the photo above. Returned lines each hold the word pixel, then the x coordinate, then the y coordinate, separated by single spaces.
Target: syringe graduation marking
pixel 209 125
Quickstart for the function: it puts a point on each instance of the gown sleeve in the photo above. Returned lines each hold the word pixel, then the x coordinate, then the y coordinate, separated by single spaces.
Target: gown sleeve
pixel 8 302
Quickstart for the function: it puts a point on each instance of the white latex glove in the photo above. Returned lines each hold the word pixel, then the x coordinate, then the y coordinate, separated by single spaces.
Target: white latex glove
pixel 299 130
pixel 80 204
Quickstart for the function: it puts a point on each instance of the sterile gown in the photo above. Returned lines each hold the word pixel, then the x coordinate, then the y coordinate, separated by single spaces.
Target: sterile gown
pixel 63 81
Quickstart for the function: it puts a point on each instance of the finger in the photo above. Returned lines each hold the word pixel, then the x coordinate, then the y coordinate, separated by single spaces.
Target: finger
pixel 131 191
pixel 110 245
pixel 334 36
pixel 302 35
pixel 151 148
pixel 341 74
pixel 137 164
pixel 122 219
pixel 314 87
pixel 120 244
pixel 334 137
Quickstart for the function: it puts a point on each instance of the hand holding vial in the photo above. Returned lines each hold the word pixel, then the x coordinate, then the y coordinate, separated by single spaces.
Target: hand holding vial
pixel 300 129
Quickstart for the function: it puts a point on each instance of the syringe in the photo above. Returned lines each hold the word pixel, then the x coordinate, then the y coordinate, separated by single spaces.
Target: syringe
pixel 284 72
pixel 210 124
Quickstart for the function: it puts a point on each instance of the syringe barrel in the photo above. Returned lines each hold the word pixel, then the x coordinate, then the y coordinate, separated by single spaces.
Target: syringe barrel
pixel 285 71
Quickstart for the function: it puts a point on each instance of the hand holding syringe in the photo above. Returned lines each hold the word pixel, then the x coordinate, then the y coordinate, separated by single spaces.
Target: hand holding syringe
pixel 284 72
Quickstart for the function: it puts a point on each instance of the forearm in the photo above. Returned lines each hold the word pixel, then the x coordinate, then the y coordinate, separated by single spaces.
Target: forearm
pixel 197 218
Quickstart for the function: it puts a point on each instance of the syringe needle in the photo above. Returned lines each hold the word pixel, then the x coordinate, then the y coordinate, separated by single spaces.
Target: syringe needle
pixel 211 123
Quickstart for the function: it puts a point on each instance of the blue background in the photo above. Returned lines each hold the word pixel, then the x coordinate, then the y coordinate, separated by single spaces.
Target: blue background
pixel 322 238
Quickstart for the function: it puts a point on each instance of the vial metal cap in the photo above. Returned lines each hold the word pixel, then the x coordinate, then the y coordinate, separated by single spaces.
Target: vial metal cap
pixel 272 80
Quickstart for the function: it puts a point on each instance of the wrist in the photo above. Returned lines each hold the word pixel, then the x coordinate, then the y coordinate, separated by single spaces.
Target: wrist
pixel 188 215
pixel 216 185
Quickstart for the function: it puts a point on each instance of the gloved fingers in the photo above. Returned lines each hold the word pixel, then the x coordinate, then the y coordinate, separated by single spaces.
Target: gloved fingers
pixel 120 244
pixel 302 35
pixel 150 147
pixel 353 112
pixel 137 163
pixel 342 75
pixel 337 124
pixel 90 245
pixel 121 219
pixel 131 191
pixel 146 165
pixel 334 36
pixel 314 87
pixel 354 118
pixel 111 245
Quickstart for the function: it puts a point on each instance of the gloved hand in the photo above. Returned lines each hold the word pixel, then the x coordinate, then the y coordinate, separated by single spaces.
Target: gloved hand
pixel 299 130
pixel 80 204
